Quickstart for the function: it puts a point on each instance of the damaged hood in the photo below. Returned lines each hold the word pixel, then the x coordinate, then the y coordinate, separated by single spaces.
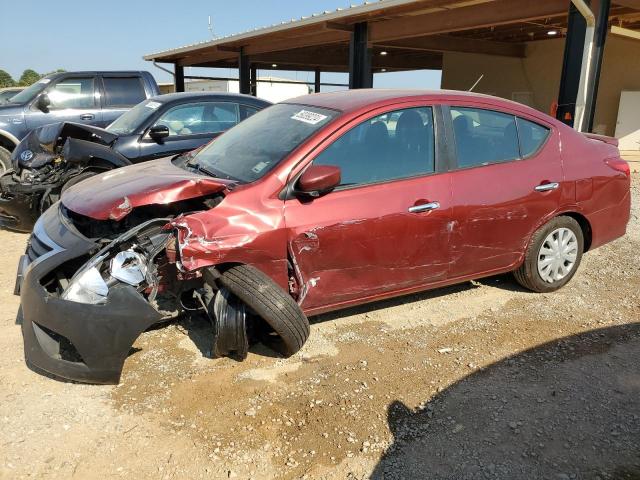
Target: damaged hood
pixel 41 145
pixel 114 194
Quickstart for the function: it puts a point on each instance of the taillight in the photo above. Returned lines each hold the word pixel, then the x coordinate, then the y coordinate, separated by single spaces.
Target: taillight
pixel 619 165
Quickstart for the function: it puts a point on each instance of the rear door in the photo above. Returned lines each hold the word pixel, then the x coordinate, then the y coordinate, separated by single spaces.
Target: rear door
pixel 190 125
pixel 73 99
pixel 119 94
pixel 384 229
pixel 505 181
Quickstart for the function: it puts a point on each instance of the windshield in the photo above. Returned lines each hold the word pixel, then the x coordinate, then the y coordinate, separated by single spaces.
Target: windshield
pixel 255 146
pixel 132 120
pixel 30 92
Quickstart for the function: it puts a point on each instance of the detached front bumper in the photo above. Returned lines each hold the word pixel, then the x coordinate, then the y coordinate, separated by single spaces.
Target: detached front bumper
pixel 18 209
pixel 75 341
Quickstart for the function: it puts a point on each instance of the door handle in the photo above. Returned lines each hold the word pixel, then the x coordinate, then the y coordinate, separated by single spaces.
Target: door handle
pixel 87 116
pixel 545 187
pixel 425 207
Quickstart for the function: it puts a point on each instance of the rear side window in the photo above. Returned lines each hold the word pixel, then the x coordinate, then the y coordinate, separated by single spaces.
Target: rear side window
pixel 532 137
pixel 123 92
pixel 484 136
pixel 395 145
pixel 246 111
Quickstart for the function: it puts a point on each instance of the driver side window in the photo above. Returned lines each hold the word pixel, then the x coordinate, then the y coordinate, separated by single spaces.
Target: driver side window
pixel 397 144
pixel 199 118
pixel 72 93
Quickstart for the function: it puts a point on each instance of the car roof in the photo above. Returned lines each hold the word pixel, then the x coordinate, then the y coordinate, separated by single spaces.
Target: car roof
pixel 352 100
pixel 220 96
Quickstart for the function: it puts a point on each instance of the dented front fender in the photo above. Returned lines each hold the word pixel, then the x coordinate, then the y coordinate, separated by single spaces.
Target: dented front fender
pixel 238 231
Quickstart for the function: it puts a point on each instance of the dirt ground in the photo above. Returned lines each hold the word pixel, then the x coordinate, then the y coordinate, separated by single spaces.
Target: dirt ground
pixel 481 380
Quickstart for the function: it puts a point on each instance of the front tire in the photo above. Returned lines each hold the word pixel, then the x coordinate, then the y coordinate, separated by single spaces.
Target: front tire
pixel 271 303
pixel 552 257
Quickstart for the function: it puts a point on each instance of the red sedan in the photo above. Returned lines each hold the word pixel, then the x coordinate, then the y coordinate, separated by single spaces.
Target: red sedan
pixel 313 205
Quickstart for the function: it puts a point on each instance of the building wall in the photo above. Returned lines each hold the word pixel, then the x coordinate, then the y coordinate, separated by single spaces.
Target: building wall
pixel 535 80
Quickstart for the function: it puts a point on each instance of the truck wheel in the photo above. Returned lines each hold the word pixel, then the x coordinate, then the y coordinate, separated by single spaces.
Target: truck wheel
pixel 270 302
pixel 5 160
pixel 552 257
pixel 77 179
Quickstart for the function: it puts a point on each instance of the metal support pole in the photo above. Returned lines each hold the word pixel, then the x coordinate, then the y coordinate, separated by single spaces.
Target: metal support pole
pixel 254 81
pixel 602 23
pixel 244 73
pixel 570 78
pixel 360 72
pixel 586 88
pixel 178 78
pixel 317 81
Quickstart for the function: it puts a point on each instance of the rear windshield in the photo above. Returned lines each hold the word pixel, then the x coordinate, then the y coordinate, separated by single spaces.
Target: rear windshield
pixel 129 122
pixel 254 147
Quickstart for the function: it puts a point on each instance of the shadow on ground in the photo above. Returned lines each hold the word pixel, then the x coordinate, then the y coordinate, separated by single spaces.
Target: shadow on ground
pixel 567 409
pixel 504 282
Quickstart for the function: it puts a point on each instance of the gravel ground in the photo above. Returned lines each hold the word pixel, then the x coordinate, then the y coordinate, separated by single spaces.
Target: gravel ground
pixel 481 380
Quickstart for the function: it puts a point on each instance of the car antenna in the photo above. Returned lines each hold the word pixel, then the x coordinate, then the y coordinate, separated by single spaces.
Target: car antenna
pixel 213 35
pixel 476 84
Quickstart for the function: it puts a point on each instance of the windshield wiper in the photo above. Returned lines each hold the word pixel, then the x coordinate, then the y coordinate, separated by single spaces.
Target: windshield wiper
pixel 211 173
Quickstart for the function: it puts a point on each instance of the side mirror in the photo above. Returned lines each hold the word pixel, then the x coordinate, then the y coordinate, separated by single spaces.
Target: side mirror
pixel 159 132
pixel 43 103
pixel 318 180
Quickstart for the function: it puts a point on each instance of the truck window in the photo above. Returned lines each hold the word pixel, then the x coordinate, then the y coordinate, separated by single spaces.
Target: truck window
pixel 123 91
pixel 72 93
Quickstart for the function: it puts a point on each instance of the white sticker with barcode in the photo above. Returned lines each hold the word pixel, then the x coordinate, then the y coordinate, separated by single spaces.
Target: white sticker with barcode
pixel 311 118
pixel 153 105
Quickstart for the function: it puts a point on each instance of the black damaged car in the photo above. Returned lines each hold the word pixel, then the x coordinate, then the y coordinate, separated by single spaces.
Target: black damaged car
pixel 54 157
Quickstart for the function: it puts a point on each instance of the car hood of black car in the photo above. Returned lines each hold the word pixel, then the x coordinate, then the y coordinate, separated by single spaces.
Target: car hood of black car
pixel 42 145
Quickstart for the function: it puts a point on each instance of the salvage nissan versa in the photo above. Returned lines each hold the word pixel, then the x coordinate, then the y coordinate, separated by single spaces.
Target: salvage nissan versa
pixel 317 204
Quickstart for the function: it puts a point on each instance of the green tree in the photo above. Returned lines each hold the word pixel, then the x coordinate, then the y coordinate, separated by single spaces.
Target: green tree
pixel 28 77
pixel 6 80
pixel 59 70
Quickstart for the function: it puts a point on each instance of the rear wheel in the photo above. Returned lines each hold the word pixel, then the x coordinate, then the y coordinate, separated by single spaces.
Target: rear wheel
pixel 5 160
pixel 553 256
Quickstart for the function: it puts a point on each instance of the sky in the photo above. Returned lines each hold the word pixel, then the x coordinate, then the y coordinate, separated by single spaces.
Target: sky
pixel 114 35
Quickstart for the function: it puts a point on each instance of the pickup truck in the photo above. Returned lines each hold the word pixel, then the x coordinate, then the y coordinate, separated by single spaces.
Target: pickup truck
pixel 91 98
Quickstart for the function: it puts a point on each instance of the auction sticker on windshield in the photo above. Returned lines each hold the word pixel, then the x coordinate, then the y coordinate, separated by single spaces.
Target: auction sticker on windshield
pixel 306 116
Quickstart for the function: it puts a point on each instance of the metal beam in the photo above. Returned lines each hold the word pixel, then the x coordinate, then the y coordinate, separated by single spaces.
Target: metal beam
pixel 284 82
pixel 360 72
pixel 178 78
pixel 244 73
pixel 625 32
pixel 499 12
pixel 316 85
pixel 254 79
pixel 450 43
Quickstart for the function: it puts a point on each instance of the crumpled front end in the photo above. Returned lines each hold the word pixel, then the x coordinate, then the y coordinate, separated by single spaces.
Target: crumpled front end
pixel 85 301
pixel 43 162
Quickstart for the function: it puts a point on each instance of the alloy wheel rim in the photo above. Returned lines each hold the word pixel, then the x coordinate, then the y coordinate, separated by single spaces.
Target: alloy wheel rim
pixel 558 254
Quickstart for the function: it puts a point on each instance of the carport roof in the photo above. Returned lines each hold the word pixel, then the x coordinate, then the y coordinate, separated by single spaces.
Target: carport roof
pixel 414 33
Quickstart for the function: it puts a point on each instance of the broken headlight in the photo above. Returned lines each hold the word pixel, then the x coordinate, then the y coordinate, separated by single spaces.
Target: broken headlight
pixel 87 287
pixel 129 267
pixel 89 284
